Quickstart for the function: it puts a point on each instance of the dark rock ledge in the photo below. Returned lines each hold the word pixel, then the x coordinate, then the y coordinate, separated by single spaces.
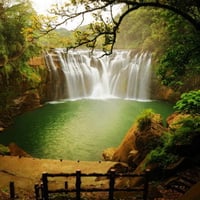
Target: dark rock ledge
pixel 30 100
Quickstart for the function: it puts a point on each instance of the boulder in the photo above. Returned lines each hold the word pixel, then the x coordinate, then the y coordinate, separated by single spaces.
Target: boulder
pixel 174 118
pixel 15 150
pixel 127 145
pixel 29 101
pixel 138 143
pixel 108 153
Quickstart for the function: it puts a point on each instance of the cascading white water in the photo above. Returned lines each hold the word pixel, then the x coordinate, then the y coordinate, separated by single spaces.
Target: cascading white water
pixel 121 75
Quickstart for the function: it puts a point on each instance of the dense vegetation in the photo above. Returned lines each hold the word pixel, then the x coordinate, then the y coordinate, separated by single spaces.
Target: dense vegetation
pixel 189 103
pixel 183 135
pixel 182 138
pixel 174 44
pixel 16 28
pixel 17 46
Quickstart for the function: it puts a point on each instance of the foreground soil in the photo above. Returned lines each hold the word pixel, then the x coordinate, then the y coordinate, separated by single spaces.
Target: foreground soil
pixel 26 172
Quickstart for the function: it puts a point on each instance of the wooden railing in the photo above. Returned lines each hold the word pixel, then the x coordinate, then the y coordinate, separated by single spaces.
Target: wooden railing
pixel 42 191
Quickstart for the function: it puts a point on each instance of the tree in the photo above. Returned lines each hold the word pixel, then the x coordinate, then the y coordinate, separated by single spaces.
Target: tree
pixel 18 29
pixel 107 27
pixel 16 26
pixel 179 65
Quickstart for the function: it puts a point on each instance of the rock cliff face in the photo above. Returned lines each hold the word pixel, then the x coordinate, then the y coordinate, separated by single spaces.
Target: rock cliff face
pixel 18 93
pixel 26 102
pixel 137 143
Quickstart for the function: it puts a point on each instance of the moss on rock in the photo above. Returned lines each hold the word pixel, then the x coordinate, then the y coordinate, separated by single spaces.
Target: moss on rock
pixel 4 150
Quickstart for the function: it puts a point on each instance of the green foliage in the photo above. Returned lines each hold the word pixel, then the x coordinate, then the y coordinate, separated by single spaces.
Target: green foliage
pixel 4 150
pixel 173 42
pixel 187 129
pixel 7 70
pixel 59 38
pixel 15 18
pixel 179 61
pixel 136 29
pixel 30 74
pixel 161 156
pixel 189 103
pixel 145 119
pixel 17 46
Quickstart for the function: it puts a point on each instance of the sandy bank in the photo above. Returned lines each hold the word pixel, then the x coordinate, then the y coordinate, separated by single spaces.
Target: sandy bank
pixel 25 172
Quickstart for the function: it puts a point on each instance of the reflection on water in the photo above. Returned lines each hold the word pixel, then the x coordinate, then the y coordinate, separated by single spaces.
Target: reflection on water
pixel 77 129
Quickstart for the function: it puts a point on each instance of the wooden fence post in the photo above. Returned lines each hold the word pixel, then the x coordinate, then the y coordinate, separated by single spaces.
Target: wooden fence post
pixel 78 184
pixel 45 186
pixel 37 191
pixel 12 190
pixel 66 187
pixel 111 184
pixel 42 191
pixel 146 184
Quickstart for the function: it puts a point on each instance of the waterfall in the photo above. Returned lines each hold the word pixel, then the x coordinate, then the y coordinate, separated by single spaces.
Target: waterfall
pixel 78 74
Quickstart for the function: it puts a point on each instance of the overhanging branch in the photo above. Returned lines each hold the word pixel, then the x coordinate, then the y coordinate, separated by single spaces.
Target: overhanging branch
pixel 174 9
pixel 110 32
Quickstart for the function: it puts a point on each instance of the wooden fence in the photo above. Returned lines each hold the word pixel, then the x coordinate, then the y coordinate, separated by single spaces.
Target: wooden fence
pixel 42 191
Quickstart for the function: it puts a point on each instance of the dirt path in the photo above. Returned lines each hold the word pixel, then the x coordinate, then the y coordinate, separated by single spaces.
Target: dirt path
pixel 26 172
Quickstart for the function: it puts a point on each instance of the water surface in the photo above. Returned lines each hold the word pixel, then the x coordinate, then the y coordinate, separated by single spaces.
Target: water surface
pixel 77 130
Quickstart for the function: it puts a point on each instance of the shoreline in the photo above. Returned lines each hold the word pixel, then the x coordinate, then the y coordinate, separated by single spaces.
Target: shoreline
pixel 25 172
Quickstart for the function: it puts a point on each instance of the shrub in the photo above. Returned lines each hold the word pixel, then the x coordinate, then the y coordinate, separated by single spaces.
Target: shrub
pixel 4 150
pixel 189 103
pixel 161 156
pixel 164 154
pixel 189 128
pixel 144 120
